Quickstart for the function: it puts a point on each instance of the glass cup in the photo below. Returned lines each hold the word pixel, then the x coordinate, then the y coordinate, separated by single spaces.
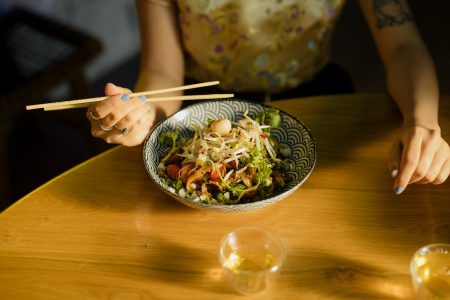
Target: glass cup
pixel 252 256
pixel 430 271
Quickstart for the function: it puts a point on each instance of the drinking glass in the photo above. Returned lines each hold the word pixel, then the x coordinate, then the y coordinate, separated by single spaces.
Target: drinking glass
pixel 430 271
pixel 252 257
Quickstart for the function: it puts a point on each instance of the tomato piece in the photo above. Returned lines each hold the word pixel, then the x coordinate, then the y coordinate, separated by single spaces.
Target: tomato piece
pixel 214 174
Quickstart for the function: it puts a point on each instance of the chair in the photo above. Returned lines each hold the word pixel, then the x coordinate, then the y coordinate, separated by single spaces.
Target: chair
pixel 37 55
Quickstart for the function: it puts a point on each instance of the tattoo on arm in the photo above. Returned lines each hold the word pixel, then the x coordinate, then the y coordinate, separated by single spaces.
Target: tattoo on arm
pixel 390 13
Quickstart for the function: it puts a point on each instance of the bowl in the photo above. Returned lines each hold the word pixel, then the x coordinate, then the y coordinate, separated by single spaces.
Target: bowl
pixel 292 133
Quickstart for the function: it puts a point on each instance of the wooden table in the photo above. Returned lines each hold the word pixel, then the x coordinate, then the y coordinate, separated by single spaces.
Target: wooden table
pixel 103 230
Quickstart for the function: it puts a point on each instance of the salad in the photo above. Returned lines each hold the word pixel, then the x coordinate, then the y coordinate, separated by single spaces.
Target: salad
pixel 225 162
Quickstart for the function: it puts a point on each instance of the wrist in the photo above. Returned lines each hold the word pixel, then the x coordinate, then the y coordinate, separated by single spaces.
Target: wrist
pixel 426 124
pixel 425 117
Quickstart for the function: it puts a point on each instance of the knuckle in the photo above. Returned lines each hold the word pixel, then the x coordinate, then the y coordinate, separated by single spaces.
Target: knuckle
pixel 112 116
pixel 109 140
pixel 438 180
pixel 427 161
pixel 141 121
pixel 128 119
pixel 106 125
pixel 429 178
pixel 441 178
pixel 421 172
pixel 435 134
pixel 120 126
pixel 95 111
pixel 95 133
pixel 415 131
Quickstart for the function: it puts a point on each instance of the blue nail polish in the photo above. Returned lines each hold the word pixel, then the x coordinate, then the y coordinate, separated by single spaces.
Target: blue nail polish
pixel 398 190
pixel 142 98
pixel 125 97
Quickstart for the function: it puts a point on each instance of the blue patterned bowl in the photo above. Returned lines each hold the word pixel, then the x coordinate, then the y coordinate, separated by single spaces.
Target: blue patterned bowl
pixel 292 132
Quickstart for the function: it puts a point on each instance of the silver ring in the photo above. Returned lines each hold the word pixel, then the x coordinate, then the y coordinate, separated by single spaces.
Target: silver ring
pixel 126 130
pixel 91 115
pixel 103 128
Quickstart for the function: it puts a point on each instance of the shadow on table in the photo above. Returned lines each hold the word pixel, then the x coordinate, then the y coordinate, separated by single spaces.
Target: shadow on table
pixel 117 181
pixel 156 201
pixel 177 264
pixel 328 275
pixel 407 220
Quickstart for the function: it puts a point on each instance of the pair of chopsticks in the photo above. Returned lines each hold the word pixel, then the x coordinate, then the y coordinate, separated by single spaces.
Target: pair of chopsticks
pixel 88 102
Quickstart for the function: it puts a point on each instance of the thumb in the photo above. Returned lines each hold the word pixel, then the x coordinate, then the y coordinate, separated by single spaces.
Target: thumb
pixel 395 154
pixel 111 89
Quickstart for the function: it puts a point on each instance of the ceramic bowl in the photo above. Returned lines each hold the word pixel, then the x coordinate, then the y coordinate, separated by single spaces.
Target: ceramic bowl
pixel 292 133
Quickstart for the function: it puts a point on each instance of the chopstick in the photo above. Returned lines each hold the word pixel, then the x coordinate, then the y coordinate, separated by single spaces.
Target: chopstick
pixel 160 99
pixel 97 99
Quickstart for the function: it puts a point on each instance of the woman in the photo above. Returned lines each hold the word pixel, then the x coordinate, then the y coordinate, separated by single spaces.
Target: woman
pixel 274 46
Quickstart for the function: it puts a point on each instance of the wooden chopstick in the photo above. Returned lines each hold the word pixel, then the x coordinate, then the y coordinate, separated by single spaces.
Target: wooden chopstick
pixel 97 99
pixel 159 99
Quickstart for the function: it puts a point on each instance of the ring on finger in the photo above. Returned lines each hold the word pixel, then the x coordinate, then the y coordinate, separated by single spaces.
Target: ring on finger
pixel 125 130
pixel 92 115
pixel 104 128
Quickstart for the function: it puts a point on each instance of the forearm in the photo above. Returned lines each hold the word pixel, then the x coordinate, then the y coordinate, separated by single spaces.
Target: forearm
pixel 410 71
pixel 413 85
pixel 162 61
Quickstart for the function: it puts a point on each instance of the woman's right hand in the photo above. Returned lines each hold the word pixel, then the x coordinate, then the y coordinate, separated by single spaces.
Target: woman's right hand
pixel 120 119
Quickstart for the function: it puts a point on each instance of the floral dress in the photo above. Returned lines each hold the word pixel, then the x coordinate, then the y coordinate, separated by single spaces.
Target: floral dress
pixel 257 45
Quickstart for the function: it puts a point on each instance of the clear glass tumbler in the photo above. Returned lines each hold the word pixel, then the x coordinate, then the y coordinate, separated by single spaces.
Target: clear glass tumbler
pixel 252 256
pixel 430 271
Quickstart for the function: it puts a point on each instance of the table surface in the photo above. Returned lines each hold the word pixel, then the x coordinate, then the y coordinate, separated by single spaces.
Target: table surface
pixel 103 230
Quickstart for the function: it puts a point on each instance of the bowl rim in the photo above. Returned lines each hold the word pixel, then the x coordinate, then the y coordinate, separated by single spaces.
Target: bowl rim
pixel 263 202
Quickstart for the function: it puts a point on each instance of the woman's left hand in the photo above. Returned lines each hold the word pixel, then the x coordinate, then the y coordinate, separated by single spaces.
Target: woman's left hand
pixel 420 156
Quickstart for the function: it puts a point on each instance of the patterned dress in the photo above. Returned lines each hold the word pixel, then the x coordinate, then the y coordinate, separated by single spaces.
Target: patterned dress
pixel 257 45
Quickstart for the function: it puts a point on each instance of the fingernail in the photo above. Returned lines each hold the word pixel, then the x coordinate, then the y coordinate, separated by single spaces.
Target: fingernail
pixel 148 103
pixel 398 190
pixel 125 97
pixel 394 173
pixel 142 98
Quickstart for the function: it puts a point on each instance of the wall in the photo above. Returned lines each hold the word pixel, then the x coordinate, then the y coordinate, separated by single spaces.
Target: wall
pixel 113 22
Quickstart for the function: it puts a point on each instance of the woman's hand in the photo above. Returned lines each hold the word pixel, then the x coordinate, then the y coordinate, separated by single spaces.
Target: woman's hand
pixel 422 156
pixel 120 119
